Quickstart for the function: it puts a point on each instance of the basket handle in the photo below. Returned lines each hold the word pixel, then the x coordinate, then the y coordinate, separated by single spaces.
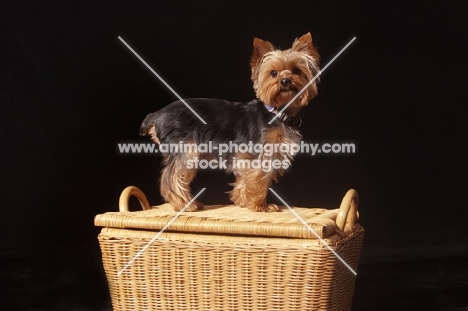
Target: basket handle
pixel 125 197
pixel 348 212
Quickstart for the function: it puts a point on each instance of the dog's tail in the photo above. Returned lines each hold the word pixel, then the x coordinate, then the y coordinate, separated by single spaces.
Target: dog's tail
pixel 148 123
pixel 148 127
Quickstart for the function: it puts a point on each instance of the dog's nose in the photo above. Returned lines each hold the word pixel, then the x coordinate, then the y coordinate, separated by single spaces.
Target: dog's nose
pixel 285 82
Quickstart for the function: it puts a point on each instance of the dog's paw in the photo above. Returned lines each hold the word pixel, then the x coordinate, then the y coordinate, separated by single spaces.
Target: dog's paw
pixel 265 208
pixel 195 206
pixel 271 208
pixel 239 203
pixel 199 205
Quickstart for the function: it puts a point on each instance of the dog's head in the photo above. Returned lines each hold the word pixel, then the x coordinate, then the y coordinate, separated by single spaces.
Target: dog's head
pixel 279 75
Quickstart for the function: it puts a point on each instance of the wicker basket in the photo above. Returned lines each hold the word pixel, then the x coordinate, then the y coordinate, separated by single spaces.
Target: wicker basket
pixel 229 258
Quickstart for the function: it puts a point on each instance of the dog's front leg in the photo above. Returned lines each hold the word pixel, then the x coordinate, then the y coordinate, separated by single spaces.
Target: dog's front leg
pixel 251 188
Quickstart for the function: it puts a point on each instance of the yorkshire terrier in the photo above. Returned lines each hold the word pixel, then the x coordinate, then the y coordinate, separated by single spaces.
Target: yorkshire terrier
pixel 277 76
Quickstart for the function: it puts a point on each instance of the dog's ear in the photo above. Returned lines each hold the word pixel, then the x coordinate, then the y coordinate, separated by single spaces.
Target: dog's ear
pixel 261 47
pixel 304 44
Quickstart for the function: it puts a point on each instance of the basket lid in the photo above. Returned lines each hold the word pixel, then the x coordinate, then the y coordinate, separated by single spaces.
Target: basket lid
pixel 222 219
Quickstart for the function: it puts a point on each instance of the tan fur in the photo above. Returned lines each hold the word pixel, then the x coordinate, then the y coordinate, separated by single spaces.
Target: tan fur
pixel 251 185
pixel 153 135
pixel 265 58
pixel 250 190
pixel 175 182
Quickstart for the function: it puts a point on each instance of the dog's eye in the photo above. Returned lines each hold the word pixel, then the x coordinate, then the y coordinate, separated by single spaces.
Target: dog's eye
pixel 296 71
pixel 274 73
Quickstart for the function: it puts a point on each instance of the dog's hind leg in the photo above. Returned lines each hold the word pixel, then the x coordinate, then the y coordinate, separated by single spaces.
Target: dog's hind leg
pixel 175 183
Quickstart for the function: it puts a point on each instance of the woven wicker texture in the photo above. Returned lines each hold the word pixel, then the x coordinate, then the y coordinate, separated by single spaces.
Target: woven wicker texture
pixel 226 220
pixel 220 271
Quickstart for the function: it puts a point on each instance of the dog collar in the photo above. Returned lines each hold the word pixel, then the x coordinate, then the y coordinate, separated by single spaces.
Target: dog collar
pixel 287 119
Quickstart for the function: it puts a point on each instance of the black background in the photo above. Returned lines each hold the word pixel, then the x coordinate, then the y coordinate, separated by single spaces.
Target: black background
pixel 71 91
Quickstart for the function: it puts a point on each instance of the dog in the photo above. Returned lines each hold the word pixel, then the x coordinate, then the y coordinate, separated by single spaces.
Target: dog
pixel 278 77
